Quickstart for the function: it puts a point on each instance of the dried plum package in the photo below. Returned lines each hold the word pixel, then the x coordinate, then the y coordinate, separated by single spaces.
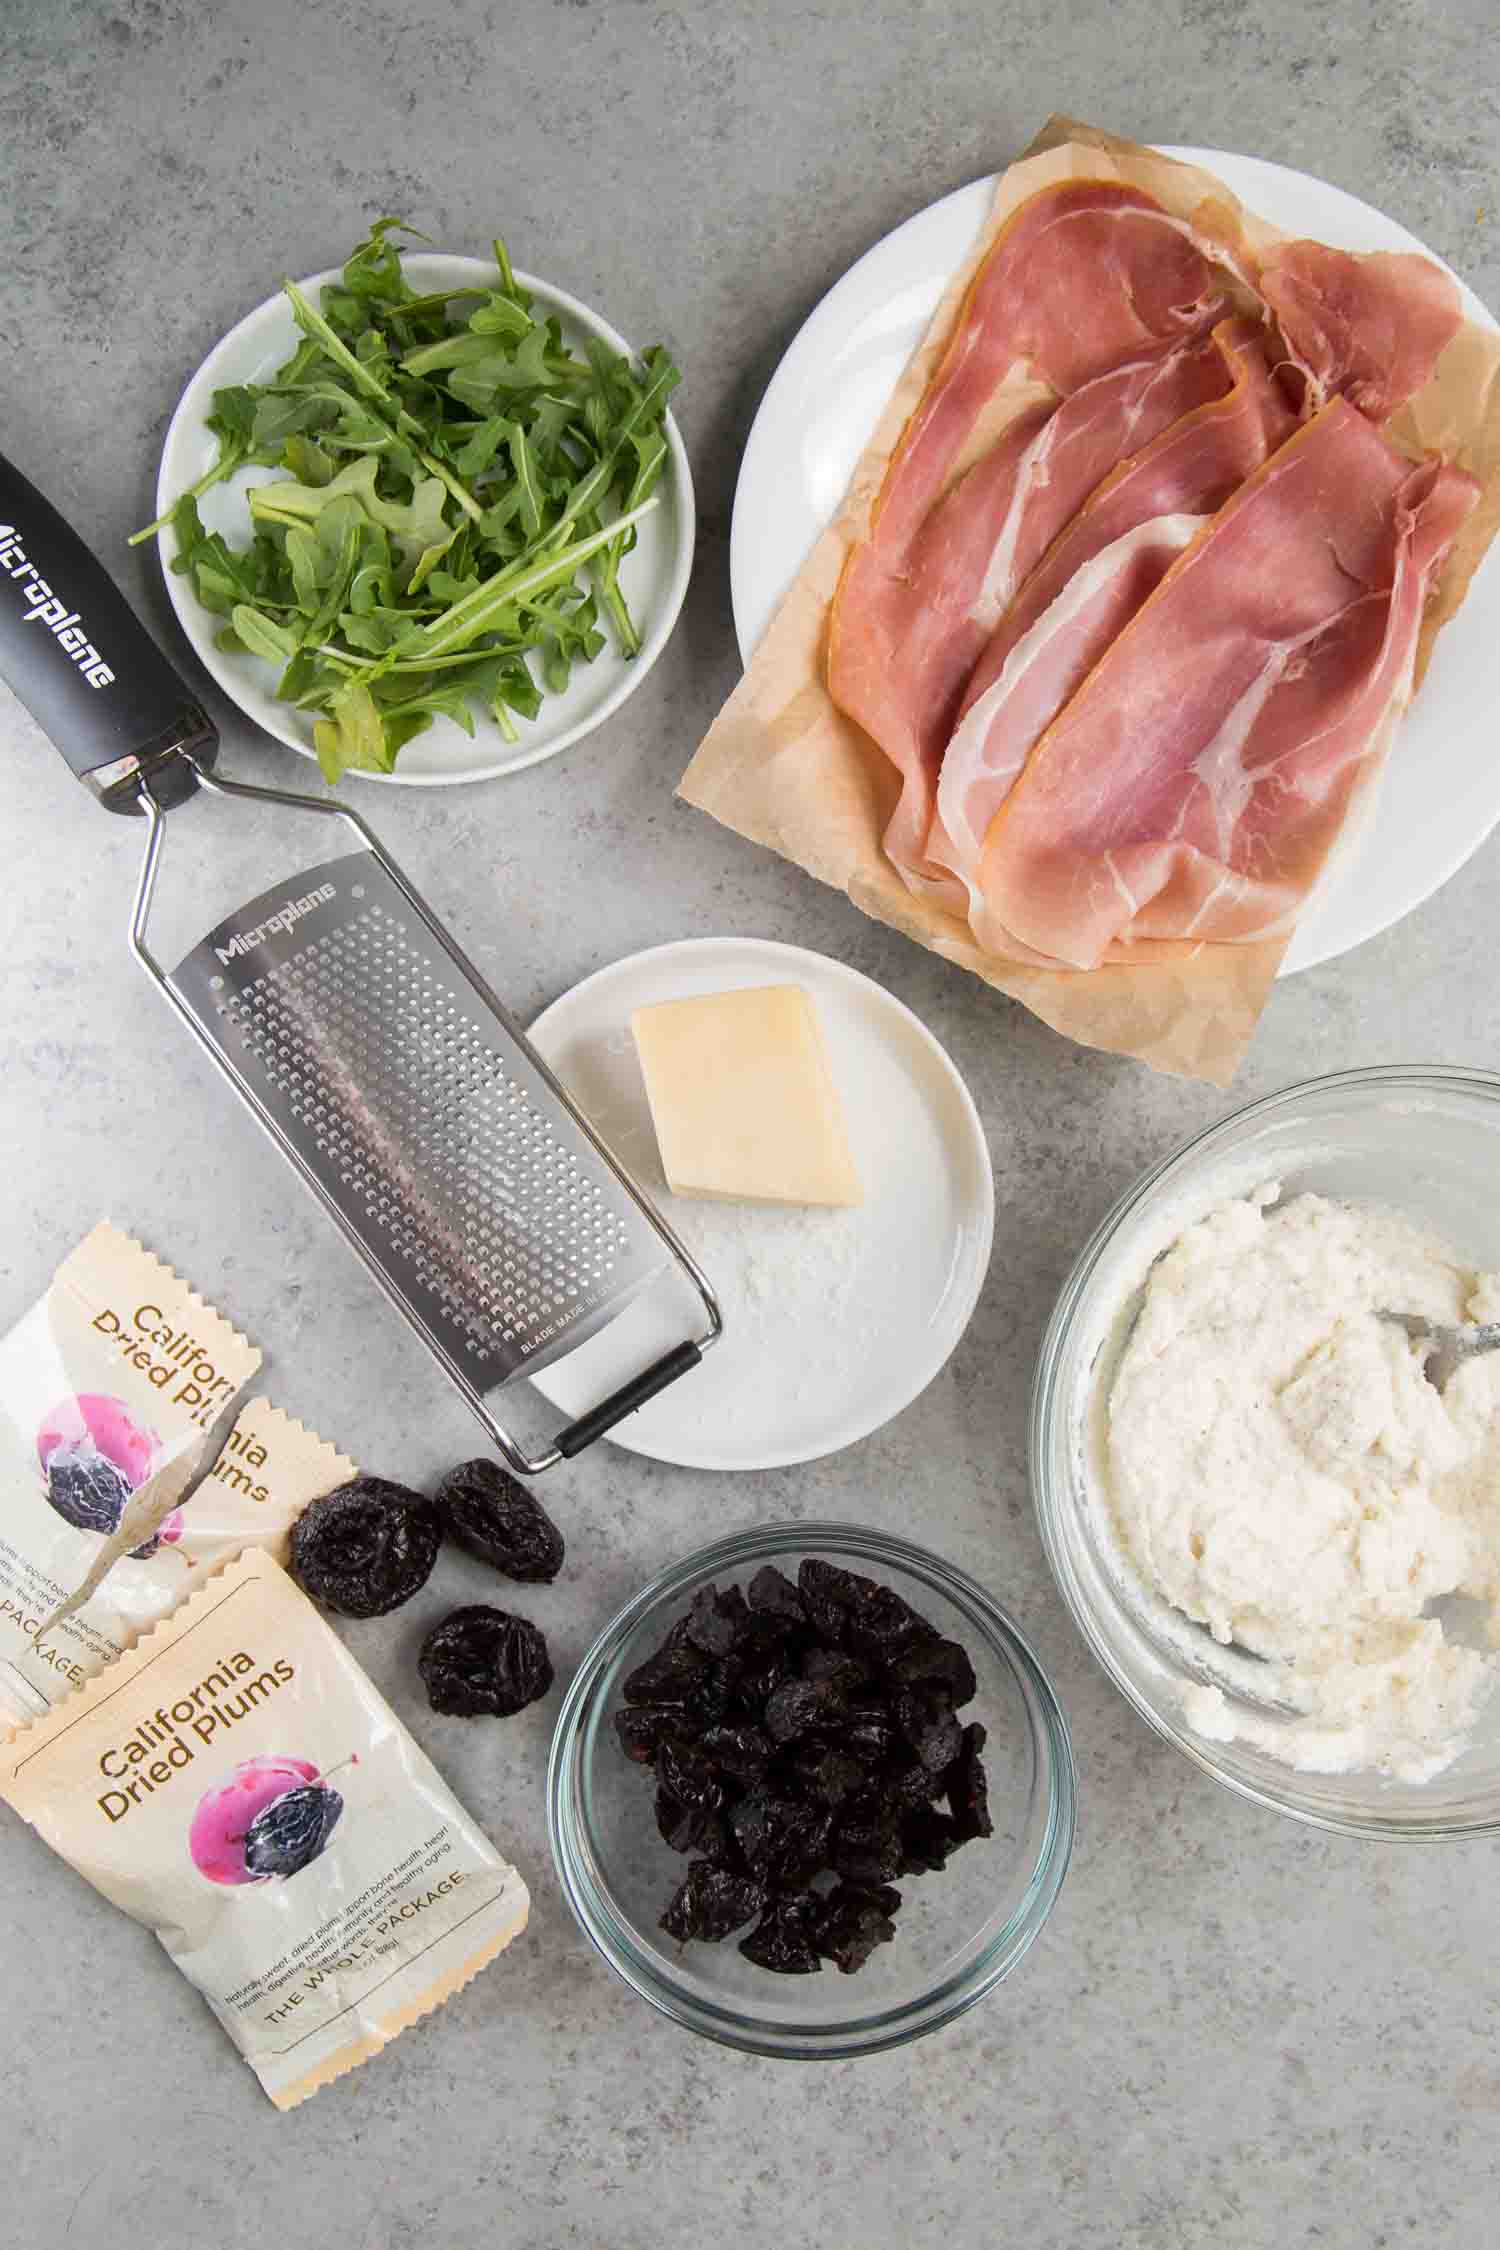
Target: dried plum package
pixel 237 1784
pixel 112 1390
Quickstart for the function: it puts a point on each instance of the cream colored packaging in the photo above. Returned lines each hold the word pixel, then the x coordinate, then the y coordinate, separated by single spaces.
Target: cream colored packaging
pixel 112 1390
pixel 237 1784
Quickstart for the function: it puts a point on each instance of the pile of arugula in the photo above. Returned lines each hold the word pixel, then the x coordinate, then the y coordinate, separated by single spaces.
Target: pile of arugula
pixel 461 492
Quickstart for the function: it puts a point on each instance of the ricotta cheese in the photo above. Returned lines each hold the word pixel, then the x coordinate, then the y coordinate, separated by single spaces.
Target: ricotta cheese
pixel 1281 1472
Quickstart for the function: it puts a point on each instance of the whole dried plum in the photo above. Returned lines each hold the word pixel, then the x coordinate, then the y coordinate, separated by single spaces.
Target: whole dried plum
pixel 852 1921
pixel 969 1789
pixel 942 1663
pixel 366 1547
pixel 783 1938
pixel 291 1831
pixel 86 1489
pixel 483 1663
pixel 487 1511
pixel 710 1903
pixel 716 1621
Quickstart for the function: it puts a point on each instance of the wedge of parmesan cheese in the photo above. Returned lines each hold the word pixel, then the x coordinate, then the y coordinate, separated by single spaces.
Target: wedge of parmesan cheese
pixel 744 1103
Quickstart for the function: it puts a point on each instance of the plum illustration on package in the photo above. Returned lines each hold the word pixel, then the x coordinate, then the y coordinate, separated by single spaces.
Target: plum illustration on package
pixel 93 1455
pixel 272 1816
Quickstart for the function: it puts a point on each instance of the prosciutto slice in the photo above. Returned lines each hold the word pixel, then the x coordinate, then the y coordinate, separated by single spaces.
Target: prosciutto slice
pixel 1090 583
pixel 1195 782
pixel 1369 328
pixel 917 631
pixel 920 596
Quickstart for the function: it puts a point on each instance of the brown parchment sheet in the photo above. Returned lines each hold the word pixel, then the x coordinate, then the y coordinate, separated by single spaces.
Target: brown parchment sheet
pixel 784 767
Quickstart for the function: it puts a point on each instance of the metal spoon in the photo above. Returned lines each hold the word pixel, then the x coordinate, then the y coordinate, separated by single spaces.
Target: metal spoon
pixel 1443 1346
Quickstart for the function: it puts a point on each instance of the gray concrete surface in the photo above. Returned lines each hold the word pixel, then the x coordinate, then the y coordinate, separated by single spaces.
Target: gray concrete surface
pixel 1233 2033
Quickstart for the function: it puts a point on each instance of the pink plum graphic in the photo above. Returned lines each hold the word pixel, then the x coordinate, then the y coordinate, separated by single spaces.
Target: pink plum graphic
pixel 271 1816
pixel 94 1455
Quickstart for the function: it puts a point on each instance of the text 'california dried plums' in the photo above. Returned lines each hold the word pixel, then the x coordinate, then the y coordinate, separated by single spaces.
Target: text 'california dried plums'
pixel 487 1511
pixel 798 1733
pixel 483 1663
pixel 365 1547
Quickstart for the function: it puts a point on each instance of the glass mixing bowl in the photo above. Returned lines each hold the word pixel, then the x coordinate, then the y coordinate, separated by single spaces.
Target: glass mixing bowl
pixel 1424 1142
pixel 959 1932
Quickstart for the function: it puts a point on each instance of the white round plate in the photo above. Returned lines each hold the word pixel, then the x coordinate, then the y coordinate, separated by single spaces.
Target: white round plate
pixel 833 1320
pixel 1440 794
pixel 654 575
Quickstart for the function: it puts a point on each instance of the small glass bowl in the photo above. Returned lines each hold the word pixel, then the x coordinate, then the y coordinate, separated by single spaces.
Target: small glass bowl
pixel 960 1931
pixel 1421 1141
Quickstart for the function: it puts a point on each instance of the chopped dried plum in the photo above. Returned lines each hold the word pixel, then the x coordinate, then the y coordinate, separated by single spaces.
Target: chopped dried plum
pixel 86 1488
pixel 800 1706
pixel 798 1732
pixel 483 1663
pixel 780 1840
pixel 869 1731
pixel 883 1624
pixel 640 1727
pixel 365 1547
pixel 291 1831
pixel 852 1921
pixel 687 1774
pixel 716 1621
pixel 688 1828
pixel 743 1752
pixel 824 1771
pixel 835 1669
pixel 867 1840
pixel 821 1586
pixel 928 1837
pixel 486 1510
pixel 925 1717
pixel 969 1789
pixel 783 1937
pixel 710 1903
pixel 670 1674
pixel 773 1593
pixel 941 1662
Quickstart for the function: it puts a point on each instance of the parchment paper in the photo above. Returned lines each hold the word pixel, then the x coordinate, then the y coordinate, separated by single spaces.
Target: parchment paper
pixel 784 767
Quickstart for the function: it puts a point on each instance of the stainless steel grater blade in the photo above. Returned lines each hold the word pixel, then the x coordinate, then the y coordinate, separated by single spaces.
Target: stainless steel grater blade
pixel 426 1122
pixel 368 1046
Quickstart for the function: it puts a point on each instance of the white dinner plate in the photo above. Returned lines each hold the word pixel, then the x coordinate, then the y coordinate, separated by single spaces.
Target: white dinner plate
pixel 833 1320
pixel 1440 794
pixel 654 575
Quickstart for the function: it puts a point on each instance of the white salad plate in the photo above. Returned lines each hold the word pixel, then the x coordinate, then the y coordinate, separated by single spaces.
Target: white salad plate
pixel 1440 793
pixel 654 575
pixel 834 1320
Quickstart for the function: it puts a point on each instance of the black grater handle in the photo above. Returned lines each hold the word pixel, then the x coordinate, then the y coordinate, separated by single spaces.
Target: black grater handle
pixel 83 663
pixel 625 1400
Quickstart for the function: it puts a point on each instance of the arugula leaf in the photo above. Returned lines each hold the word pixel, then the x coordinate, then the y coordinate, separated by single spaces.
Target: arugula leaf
pixel 457 493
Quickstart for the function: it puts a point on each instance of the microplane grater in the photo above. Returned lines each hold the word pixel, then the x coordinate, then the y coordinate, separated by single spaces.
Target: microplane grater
pixel 364 1041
